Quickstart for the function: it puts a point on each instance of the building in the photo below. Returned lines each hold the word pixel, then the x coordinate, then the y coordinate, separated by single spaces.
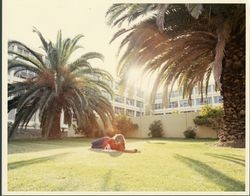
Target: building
pixel 131 103
pixel 179 104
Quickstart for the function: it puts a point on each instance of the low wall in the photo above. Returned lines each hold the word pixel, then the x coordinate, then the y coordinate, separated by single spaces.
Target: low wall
pixel 173 125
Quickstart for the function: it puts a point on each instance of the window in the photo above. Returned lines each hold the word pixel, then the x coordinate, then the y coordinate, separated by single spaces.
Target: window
pixel 207 100
pixel 130 112
pixel 130 101
pixel 209 89
pixel 119 110
pixel 218 99
pixel 138 114
pixel 139 104
pixel 173 104
pixel 184 103
pixel 119 99
pixel 158 106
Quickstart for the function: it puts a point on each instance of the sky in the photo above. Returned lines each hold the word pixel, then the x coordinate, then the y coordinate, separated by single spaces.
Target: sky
pixel 71 16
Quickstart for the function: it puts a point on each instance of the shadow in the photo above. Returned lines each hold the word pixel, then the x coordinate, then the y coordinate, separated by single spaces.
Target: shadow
pixel 228 158
pixel 112 153
pixel 36 145
pixel 17 164
pixel 228 183
pixel 106 181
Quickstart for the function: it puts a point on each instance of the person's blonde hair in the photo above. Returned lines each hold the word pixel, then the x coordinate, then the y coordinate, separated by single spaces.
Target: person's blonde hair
pixel 120 138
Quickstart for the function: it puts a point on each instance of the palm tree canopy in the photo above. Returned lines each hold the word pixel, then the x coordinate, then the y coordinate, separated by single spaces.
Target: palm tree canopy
pixel 59 85
pixel 183 43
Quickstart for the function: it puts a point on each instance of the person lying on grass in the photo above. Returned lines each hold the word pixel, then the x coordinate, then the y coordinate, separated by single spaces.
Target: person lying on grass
pixel 117 142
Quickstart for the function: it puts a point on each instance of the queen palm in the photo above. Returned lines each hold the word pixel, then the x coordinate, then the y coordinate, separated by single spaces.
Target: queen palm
pixel 186 43
pixel 59 86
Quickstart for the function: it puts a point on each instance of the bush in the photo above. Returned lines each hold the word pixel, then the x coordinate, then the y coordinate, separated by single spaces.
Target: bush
pixel 156 129
pixel 123 124
pixel 211 117
pixel 190 133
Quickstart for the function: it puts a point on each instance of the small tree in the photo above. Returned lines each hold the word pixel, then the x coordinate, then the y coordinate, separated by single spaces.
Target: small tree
pixel 211 117
pixel 123 124
pixel 156 129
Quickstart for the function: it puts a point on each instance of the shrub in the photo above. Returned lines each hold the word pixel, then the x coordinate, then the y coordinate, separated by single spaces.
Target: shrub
pixel 156 129
pixel 211 117
pixel 123 124
pixel 190 133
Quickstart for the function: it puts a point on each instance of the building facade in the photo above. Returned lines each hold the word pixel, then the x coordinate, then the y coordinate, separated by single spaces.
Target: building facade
pixel 179 104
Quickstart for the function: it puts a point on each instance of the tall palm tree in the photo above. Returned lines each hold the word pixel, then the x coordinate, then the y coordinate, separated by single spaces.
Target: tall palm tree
pixel 186 43
pixel 59 85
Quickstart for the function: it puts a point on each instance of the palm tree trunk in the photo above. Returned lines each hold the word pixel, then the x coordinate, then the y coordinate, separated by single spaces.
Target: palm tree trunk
pixel 233 92
pixel 55 131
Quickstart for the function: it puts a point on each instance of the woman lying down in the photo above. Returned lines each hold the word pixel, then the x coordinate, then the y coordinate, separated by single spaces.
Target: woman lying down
pixel 117 142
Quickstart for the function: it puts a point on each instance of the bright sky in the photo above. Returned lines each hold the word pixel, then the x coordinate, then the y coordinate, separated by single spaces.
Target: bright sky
pixel 71 16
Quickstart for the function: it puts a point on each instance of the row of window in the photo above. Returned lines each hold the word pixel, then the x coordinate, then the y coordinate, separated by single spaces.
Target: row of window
pixel 128 112
pixel 179 93
pixel 129 101
pixel 184 103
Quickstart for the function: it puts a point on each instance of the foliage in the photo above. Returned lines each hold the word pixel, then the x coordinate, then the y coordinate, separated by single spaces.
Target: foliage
pixel 156 129
pixel 175 111
pixel 58 85
pixel 123 124
pixel 188 41
pixel 190 133
pixel 211 117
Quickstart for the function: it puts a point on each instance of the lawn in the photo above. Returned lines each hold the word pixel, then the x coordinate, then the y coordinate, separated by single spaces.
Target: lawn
pixel 162 165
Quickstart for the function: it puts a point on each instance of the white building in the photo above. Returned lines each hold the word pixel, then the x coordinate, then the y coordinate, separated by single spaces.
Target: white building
pixel 179 104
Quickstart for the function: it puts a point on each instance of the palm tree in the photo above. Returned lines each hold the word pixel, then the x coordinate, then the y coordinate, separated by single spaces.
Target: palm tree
pixel 186 43
pixel 59 85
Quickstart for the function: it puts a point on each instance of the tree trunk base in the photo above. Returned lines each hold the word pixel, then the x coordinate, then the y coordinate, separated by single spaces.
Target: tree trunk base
pixel 55 136
pixel 240 143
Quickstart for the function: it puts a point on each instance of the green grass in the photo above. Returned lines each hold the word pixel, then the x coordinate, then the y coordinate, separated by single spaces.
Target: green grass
pixel 162 165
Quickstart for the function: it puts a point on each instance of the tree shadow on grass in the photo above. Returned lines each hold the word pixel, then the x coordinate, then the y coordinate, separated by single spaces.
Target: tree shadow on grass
pixel 228 158
pixel 36 145
pixel 228 183
pixel 112 153
pixel 106 182
pixel 17 164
